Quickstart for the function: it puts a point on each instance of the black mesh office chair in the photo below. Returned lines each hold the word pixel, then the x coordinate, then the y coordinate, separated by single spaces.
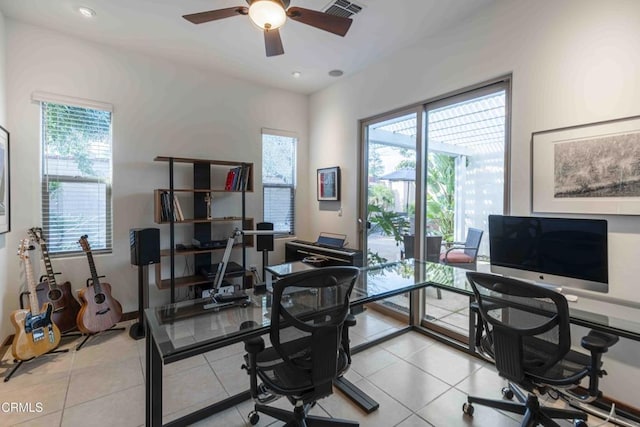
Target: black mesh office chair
pixel 310 345
pixel 527 334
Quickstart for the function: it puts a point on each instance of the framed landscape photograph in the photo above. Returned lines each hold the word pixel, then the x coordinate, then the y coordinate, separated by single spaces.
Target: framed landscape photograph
pixel 587 169
pixel 329 183
pixel 5 224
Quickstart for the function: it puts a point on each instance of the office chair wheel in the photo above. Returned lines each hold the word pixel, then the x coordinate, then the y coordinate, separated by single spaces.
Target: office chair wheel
pixel 467 409
pixel 579 423
pixel 254 418
pixel 507 393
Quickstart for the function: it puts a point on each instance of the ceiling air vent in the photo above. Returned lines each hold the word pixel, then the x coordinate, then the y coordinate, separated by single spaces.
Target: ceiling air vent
pixel 343 8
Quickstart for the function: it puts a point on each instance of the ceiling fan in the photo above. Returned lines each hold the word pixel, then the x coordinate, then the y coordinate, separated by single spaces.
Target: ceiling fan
pixel 270 15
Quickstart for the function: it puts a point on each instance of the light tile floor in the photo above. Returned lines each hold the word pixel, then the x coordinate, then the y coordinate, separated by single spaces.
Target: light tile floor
pixel 418 382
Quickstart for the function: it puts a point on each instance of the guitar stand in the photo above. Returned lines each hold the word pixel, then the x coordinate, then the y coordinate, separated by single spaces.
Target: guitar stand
pixel 20 362
pixel 111 329
pixel 86 338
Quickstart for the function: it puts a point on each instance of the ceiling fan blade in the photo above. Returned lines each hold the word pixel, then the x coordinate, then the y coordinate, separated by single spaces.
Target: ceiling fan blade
pixel 213 15
pixel 273 42
pixel 331 23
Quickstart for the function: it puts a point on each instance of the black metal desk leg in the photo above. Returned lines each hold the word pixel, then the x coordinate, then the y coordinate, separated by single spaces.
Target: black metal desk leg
pixel 473 320
pixel 153 386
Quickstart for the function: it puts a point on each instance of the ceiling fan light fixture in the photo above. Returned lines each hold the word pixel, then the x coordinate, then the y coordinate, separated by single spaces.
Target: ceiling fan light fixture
pixel 267 14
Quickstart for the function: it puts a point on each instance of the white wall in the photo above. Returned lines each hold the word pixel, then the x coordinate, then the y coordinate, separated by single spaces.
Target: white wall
pixel 160 108
pixel 573 62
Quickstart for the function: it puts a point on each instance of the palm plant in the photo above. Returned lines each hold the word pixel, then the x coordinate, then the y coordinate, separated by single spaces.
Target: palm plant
pixel 388 222
pixel 440 195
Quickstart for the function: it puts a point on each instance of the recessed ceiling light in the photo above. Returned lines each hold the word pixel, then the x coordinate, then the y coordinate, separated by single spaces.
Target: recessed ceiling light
pixel 336 73
pixel 86 12
pixel 296 74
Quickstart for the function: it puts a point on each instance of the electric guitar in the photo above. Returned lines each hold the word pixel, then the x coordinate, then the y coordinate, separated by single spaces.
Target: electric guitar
pixel 99 310
pixel 36 334
pixel 65 306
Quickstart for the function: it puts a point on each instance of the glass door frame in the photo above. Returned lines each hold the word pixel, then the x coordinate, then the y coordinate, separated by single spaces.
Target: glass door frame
pixel 417 315
pixel 363 171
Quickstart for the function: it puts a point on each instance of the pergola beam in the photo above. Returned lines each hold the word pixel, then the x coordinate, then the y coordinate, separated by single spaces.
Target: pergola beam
pixel 382 137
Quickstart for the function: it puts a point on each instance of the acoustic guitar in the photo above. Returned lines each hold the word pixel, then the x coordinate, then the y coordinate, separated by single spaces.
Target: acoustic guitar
pixel 99 311
pixel 36 334
pixel 65 306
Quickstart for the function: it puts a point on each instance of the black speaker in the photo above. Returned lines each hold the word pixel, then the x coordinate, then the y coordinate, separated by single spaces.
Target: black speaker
pixel 145 245
pixel 264 242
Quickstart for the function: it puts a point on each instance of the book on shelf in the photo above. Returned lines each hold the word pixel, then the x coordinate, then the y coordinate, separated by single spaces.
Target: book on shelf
pixel 177 209
pixel 230 177
pixel 237 179
pixel 166 208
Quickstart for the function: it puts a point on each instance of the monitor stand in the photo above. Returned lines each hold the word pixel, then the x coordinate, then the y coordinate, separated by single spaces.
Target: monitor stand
pixel 226 296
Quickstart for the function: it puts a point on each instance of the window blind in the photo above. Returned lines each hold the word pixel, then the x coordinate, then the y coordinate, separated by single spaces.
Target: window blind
pixel 76 177
pixel 278 179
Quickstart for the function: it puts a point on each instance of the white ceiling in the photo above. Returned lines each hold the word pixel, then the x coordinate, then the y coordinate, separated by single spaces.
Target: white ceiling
pixel 236 47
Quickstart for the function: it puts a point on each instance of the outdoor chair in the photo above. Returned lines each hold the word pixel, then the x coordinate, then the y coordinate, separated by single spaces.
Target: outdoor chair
pixel 464 254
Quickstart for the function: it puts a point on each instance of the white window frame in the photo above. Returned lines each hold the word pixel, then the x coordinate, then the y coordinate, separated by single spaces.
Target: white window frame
pixel 292 186
pixel 43 97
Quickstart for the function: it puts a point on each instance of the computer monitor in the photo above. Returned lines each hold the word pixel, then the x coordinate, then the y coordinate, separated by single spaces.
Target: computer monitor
pixel 559 252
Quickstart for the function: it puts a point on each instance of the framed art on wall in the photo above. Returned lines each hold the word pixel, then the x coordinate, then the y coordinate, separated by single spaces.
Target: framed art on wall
pixel 587 169
pixel 329 183
pixel 5 208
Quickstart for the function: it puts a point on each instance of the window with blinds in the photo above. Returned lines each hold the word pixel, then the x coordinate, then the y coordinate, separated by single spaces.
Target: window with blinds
pixel 76 178
pixel 278 179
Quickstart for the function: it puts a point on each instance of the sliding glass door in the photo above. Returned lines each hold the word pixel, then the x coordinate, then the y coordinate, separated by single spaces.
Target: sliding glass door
pixel 430 173
pixel 466 176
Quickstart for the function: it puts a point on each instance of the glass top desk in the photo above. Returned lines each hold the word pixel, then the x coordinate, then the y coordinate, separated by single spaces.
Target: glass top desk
pixel 185 329
pixel 588 311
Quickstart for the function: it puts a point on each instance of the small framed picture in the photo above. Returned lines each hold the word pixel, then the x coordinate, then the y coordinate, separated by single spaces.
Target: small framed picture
pixel 329 183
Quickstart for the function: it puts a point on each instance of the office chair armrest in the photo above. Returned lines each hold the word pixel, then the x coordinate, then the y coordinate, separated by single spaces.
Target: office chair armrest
pixel 254 346
pixel 598 342
pixel 349 322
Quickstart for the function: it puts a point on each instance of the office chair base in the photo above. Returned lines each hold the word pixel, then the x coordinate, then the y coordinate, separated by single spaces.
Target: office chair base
pixel 298 418
pixel 528 406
